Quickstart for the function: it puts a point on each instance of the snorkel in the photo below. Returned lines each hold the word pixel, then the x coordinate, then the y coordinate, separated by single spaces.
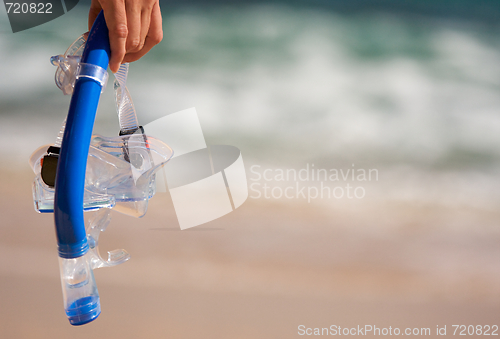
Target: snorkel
pixel 82 172
pixel 81 298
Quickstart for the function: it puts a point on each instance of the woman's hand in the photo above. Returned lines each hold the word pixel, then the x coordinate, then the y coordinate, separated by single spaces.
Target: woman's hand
pixel 134 28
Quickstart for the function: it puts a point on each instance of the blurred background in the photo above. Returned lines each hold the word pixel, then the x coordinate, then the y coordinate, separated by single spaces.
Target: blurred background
pixel 410 88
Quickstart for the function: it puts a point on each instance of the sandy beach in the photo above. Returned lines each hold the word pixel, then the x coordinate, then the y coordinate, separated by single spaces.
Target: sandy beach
pixel 259 272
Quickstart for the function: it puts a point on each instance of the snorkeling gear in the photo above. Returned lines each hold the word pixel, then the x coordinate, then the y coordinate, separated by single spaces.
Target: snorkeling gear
pixel 83 172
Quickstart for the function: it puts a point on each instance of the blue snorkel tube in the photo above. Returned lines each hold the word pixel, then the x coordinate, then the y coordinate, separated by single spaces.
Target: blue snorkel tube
pixel 82 172
pixel 81 299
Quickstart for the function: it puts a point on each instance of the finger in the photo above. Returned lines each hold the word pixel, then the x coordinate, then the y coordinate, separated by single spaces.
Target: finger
pixel 134 26
pixel 154 36
pixel 95 9
pixel 116 20
pixel 145 23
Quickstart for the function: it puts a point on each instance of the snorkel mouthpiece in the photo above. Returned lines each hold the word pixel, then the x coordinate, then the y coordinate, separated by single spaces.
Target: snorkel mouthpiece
pixel 80 296
pixel 81 299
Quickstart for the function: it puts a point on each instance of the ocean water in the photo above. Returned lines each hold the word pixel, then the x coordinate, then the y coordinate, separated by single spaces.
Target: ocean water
pixel 417 98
